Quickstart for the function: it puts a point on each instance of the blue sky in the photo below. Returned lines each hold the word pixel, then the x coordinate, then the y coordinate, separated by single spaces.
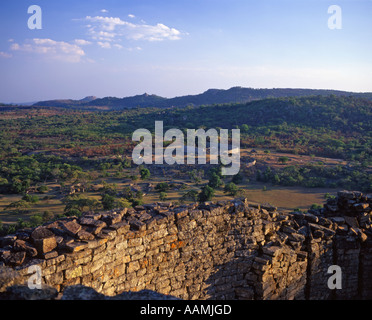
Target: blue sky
pixel 177 47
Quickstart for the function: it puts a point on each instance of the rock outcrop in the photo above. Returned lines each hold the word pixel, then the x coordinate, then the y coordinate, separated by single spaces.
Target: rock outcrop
pixel 217 250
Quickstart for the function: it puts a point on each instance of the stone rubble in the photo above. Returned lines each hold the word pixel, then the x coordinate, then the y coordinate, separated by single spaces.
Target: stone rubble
pixel 214 250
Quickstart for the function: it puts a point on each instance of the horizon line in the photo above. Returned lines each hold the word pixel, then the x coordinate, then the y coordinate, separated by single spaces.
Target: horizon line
pixel 177 96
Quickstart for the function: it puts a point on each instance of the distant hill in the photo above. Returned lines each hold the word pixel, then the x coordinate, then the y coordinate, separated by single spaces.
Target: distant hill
pixel 209 97
pixel 144 100
pixel 88 99
pixel 65 103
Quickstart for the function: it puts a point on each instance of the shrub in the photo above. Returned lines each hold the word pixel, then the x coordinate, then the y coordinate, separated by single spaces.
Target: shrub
pixel 206 194
pixel 163 196
pixel 232 189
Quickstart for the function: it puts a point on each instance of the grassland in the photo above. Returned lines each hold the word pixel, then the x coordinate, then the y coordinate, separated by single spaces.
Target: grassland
pixel 303 148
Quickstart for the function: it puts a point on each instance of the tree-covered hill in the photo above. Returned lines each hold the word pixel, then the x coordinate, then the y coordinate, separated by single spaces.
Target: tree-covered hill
pixel 37 143
pixel 325 125
pixel 211 96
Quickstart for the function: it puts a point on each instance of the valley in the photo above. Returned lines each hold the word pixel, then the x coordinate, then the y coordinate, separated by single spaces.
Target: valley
pixel 295 153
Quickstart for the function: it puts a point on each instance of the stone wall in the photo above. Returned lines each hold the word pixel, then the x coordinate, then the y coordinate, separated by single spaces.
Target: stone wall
pixel 224 250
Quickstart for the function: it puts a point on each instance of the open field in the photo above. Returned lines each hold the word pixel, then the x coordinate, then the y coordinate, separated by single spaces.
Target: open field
pixel 285 198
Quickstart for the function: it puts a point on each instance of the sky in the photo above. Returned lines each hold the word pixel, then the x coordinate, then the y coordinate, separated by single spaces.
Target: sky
pixel 178 47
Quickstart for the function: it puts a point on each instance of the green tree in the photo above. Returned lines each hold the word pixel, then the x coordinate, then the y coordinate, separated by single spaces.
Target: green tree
pixel 283 160
pixel 163 196
pixel 47 216
pixel 18 205
pixel 123 203
pixel 206 194
pixel 244 128
pixel 191 195
pixel 215 181
pixel 80 203
pixel 73 213
pixel 237 179
pixel 43 189
pixel 36 220
pixel 145 173
pixel 31 199
pixel 162 187
pixel 232 189
pixel 108 202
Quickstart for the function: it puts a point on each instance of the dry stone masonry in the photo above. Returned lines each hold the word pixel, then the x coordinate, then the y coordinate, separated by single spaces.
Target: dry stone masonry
pixel 217 250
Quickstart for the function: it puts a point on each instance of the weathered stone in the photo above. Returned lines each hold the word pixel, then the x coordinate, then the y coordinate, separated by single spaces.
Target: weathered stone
pixel 94 226
pixel 45 245
pixel 338 220
pixel 50 255
pixel 76 246
pixel 352 221
pixel 8 278
pixel 361 206
pixel 223 250
pixel 41 233
pixel 70 227
pixel 15 258
pixel 7 240
pixel 137 225
pixel 346 195
pixel 92 222
pixel 21 245
pixel 327 232
pixel 312 218
pixel 83 235
pixel 110 219
pixel 271 251
pixel 94 216
pixel 121 227
pixel 73 273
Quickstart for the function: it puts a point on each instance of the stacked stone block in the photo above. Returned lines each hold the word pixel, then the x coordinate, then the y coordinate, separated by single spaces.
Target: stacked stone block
pixel 221 250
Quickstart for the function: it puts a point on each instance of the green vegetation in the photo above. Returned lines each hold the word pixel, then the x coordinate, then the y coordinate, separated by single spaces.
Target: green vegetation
pixel 206 194
pixel 162 187
pixel 232 189
pixel 145 174
pixel 163 196
pixel 54 157
pixel 318 176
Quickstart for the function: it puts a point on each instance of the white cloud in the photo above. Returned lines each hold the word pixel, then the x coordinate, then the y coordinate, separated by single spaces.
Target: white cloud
pixel 113 29
pixel 103 35
pixel 104 11
pixel 131 16
pixel 104 45
pixel 82 42
pixel 135 49
pixel 146 32
pixel 106 23
pixel 58 50
pixel 5 55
